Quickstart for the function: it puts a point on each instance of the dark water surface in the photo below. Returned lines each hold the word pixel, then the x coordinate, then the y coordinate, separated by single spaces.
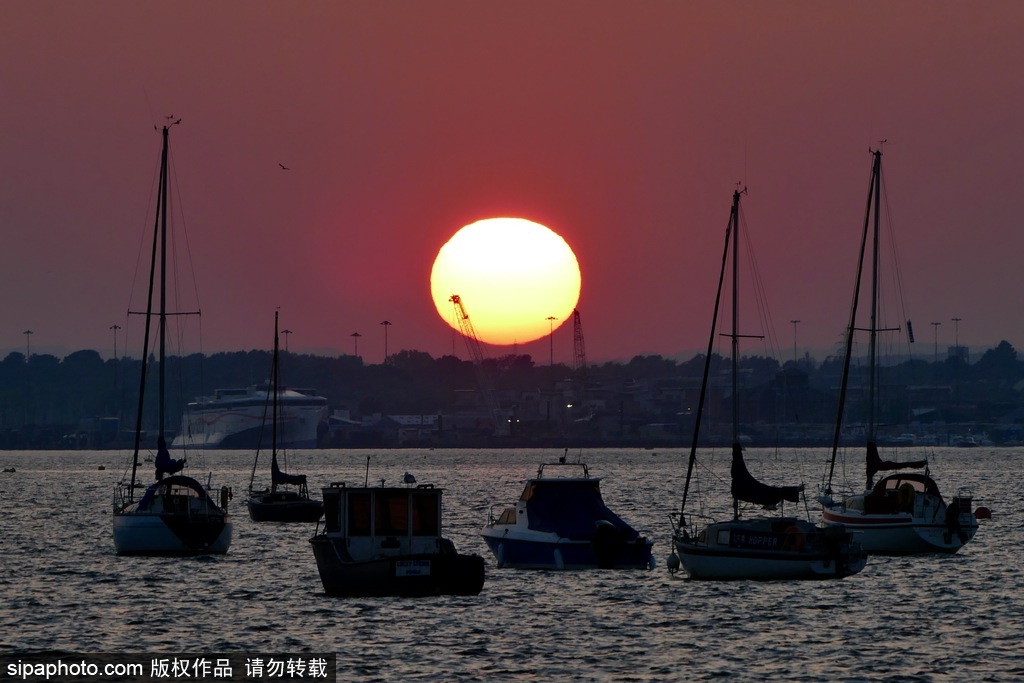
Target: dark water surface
pixel 927 618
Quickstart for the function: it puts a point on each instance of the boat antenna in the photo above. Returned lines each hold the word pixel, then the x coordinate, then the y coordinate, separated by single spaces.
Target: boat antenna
pixel 366 480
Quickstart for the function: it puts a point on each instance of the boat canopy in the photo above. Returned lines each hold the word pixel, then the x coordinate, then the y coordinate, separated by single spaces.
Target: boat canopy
pixel 875 463
pixel 570 508
pixel 172 485
pixel 750 490
pixel 279 477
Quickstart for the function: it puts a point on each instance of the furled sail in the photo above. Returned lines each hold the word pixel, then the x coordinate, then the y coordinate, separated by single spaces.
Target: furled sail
pixel 164 463
pixel 875 463
pixel 279 477
pixel 750 490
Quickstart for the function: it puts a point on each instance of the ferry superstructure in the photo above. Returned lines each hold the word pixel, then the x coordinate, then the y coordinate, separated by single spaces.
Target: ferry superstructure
pixel 234 418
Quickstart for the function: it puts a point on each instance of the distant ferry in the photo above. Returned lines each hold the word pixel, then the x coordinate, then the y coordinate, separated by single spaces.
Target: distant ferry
pixel 233 418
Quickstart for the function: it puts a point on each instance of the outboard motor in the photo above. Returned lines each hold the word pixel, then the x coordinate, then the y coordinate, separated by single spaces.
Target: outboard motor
pixel 608 544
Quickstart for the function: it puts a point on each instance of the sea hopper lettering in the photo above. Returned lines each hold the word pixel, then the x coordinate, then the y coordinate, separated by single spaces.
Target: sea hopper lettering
pixel 742 539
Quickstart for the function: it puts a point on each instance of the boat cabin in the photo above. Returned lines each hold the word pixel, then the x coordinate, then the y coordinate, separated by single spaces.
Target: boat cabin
pixel 180 495
pixel 384 521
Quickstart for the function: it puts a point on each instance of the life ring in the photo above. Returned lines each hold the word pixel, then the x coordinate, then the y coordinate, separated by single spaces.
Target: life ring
pixel 794 539
pixel 905 495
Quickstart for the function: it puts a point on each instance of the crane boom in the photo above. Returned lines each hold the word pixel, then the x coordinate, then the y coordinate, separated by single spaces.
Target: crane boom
pixel 477 354
pixel 579 356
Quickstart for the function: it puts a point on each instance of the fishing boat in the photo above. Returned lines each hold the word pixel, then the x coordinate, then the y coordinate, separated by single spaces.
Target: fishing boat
pixel 175 515
pixel 287 499
pixel 903 513
pixel 773 547
pixel 562 522
pixel 386 540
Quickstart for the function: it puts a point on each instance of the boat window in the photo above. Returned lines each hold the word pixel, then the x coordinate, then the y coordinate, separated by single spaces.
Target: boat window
pixel 392 513
pixel 332 521
pixel 426 514
pixel 359 514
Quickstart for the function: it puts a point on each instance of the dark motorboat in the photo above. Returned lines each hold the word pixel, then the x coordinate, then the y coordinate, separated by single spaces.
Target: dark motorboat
pixel 562 523
pixel 385 540
pixel 278 504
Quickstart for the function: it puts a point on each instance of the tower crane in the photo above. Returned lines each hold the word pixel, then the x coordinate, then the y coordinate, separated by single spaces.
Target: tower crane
pixel 476 352
pixel 579 355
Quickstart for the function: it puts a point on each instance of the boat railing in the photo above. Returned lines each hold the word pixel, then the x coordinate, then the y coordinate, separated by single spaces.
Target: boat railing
pixel 507 516
pixel 579 465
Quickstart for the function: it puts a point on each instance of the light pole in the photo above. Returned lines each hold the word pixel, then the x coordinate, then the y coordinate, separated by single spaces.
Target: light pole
pixel 28 347
pixel 956 367
pixel 551 344
pixel 795 323
pixel 386 324
pixel 935 326
pixel 355 341
pixel 286 333
pixel 115 328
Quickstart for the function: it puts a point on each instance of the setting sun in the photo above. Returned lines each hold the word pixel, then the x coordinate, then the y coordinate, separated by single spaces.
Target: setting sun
pixel 512 275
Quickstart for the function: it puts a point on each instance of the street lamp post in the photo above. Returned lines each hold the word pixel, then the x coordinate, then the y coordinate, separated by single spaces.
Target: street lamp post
pixel 286 333
pixel 795 322
pixel 551 343
pixel 956 367
pixel 386 324
pixel 355 341
pixel 115 328
pixel 28 347
pixel 935 326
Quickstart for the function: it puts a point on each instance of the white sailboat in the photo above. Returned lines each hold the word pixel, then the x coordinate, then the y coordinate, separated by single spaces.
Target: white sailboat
pixel 904 513
pixel 176 515
pixel 763 548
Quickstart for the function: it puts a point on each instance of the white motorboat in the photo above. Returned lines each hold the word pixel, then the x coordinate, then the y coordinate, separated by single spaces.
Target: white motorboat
pixel 562 522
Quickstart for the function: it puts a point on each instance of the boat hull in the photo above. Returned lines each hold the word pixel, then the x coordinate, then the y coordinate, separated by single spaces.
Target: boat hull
pixel 739 551
pixel 412 575
pixel 903 534
pixel 517 552
pixel 142 533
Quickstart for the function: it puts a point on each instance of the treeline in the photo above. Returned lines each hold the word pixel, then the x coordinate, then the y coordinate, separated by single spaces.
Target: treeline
pixel 46 391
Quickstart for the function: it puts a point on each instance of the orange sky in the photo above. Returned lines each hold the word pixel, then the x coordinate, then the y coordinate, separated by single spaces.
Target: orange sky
pixel 622 126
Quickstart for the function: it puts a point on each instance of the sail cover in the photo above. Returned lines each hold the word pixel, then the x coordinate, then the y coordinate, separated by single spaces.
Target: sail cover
pixel 750 490
pixel 875 463
pixel 164 463
pixel 279 477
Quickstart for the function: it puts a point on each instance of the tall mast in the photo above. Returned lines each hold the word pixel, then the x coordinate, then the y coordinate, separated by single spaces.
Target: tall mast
pixel 276 388
pixel 876 188
pixel 707 367
pixel 161 216
pixel 163 293
pixel 735 316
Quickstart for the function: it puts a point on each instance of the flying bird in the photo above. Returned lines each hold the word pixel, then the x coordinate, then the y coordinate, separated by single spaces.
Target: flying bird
pixel 283 167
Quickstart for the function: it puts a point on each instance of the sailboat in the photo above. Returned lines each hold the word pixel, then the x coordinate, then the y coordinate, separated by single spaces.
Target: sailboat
pixel 278 504
pixel 176 515
pixel 903 513
pixel 761 548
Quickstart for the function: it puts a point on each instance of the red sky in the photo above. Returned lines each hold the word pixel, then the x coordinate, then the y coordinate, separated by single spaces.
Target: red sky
pixel 622 126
